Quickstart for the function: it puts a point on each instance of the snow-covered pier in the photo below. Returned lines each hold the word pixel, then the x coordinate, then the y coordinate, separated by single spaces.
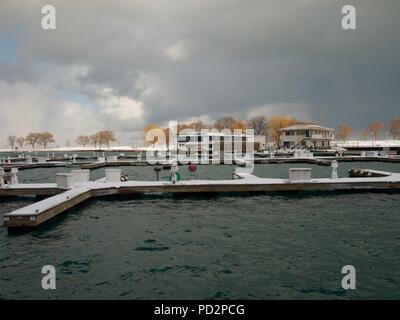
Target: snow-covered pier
pixel 116 163
pixel 73 188
pixel 25 166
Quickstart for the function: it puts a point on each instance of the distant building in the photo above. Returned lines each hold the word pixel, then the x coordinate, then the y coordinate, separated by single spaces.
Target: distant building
pixel 306 136
pixel 216 143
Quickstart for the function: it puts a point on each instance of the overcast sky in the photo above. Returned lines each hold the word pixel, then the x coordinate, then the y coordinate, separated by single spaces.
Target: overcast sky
pixel 119 65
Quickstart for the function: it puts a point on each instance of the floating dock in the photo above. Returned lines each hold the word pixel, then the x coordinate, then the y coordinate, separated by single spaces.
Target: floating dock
pixel 39 212
pixel 317 161
pixel 24 166
pixel 62 199
pixel 119 163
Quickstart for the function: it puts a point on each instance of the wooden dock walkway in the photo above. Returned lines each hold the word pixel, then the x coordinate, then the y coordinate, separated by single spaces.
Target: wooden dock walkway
pixel 317 161
pixel 25 166
pixel 119 163
pixel 30 189
pixel 39 212
pixel 62 199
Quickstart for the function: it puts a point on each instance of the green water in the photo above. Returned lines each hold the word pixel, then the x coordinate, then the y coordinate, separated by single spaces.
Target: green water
pixel 220 247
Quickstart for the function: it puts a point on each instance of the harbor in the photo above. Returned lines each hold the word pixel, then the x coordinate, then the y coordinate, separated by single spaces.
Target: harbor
pixel 177 170
pixel 207 151
pixel 73 188
pixel 105 159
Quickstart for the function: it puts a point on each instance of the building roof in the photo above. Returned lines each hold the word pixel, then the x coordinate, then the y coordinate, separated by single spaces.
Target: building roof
pixel 306 127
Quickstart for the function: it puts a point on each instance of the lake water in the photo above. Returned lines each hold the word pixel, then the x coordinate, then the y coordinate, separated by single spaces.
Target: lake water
pixel 264 246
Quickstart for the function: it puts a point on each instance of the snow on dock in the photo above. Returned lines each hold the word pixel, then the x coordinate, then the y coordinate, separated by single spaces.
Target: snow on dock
pixel 74 189
pixel 25 166
pixel 41 211
pixel 368 173
pixel 30 189
pixel 118 163
pixel 244 175
pixel 51 202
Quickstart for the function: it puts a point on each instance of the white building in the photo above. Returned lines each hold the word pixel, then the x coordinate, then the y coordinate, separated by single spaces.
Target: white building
pixel 216 143
pixel 306 136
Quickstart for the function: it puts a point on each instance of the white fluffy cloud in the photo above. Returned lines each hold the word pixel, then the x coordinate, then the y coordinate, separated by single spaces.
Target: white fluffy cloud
pixel 123 110
pixel 28 108
pixel 23 107
pixel 73 119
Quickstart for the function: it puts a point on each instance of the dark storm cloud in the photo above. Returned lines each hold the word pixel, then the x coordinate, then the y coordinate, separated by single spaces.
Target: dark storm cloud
pixel 192 58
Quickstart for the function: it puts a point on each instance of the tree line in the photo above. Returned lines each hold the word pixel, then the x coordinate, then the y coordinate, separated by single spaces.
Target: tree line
pixel 260 124
pixel 373 130
pixel 100 138
pixel 34 139
pixel 270 127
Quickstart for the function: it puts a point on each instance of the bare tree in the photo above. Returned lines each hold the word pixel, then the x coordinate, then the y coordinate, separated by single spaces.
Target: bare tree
pixel 183 126
pixel 100 138
pixel 198 125
pixel 195 125
pixel 374 128
pixel 343 132
pixel 259 125
pixel 241 125
pixel 225 123
pixel 394 128
pixel 45 138
pixel 83 140
pixel 12 140
pixel 20 142
pixel 32 139
pixel 229 123
pixel 106 137
pixel 95 139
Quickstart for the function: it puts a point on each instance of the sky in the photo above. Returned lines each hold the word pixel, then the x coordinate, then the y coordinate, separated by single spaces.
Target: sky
pixel 122 64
